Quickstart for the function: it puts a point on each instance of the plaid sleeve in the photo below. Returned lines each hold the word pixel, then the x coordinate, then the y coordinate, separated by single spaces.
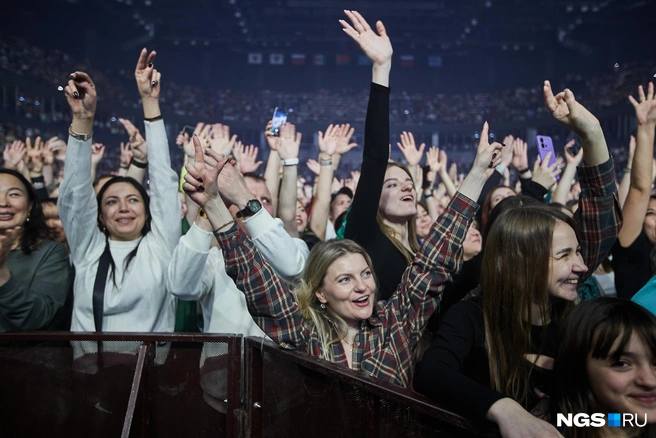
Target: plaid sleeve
pixel 434 266
pixel 599 215
pixel 270 303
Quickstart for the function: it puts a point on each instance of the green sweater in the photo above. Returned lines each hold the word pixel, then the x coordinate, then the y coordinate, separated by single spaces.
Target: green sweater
pixel 35 295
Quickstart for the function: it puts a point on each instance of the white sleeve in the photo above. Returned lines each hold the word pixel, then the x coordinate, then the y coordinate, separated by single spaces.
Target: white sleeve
pixel 286 255
pixel 191 271
pixel 330 231
pixel 165 207
pixel 77 205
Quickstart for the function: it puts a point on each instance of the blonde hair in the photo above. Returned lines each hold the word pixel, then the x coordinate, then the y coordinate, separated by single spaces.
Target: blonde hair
pixel 330 326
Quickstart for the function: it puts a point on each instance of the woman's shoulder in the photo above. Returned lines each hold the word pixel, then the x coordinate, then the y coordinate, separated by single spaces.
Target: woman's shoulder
pixel 47 246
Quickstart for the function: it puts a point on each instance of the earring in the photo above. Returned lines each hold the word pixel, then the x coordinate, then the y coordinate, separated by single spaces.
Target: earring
pixel 323 306
pixel 27 219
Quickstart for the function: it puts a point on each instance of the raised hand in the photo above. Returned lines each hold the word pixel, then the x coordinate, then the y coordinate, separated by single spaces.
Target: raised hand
pixel 564 108
pixel 220 140
pixel 645 109
pixel 314 166
pixel 375 44
pixel 202 174
pixel 188 145
pixel 56 147
pixel 573 160
pixel 13 154
pixel 488 156
pixel 344 139
pixel 126 155
pixel 289 142
pixel 81 96
pixel 336 185
pixel 409 148
pixel 544 174
pixel 34 161
pixel 247 161
pixel 328 141
pixel 148 78
pixel 138 144
pixel 436 160
pixel 520 154
pixel 97 152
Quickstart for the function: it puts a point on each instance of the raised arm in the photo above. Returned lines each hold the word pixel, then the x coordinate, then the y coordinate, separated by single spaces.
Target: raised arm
pixel 623 189
pixel 138 152
pixel 75 192
pixel 321 206
pixel 288 146
pixel 637 199
pixel 269 301
pixel 163 180
pixel 361 225
pixel 272 170
pixel 565 184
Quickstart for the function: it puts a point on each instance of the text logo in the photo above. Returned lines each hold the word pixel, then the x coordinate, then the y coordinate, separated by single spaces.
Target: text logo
pixel 600 420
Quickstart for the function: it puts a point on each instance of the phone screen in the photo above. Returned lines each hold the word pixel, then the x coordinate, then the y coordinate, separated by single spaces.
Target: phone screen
pixel 575 148
pixel 279 118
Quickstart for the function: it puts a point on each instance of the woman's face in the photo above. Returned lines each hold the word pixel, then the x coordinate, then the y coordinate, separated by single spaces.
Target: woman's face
pixel 14 202
pixel 349 289
pixel 650 221
pixel 423 222
pixel 566 265
pixel 627 385
pixel 398 198
pixel 499 194
pixel 340 204
pixel 301 217
pixel 123 212
pixel 473 242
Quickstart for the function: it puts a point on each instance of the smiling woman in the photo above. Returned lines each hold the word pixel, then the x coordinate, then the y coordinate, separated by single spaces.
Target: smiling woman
pixel 121 240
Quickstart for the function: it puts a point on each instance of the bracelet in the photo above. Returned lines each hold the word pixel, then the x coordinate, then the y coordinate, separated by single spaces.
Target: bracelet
pixel 218 229
pixel 81 137
pixel 428 195
pixel 627 169
pixel 521 171
pixel 501 169
pixel 326 162
pixel 290 162
pixel 138 164
pixel 124 167
pixel 201 213
pixel 153 119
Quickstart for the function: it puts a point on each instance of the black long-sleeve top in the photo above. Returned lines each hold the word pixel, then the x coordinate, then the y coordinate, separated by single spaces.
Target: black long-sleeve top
pixel 361 226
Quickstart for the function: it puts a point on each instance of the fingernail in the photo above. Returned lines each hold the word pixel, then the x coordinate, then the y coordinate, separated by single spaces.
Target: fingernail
pixel 503 144
pixel 494 155
pixel 491 164
pixel 201 188
pixel 72 75
pixel 150 65
pixel 76 94
pixel 199 179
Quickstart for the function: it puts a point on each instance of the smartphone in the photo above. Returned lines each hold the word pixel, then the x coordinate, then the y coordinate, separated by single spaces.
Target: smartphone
pixel 545 145
pixel 279 118
pixel 576 148
pixel 189 130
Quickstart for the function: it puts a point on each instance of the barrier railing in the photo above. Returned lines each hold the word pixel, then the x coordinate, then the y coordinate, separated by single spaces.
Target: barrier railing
pixel 163 384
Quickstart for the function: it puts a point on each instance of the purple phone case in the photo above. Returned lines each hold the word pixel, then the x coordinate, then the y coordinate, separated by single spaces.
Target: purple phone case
pixel 545 145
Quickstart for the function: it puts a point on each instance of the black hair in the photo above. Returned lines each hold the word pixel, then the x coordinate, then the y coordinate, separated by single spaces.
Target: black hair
pixel 504 205
pixel 144 230
pixel 35 229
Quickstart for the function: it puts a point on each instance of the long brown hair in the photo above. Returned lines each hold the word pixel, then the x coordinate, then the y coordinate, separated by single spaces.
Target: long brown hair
pixel 487 204
pixel 412 227
pixel 514 275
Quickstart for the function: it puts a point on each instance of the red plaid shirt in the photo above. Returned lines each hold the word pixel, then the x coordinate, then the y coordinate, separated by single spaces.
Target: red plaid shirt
pixel 384 345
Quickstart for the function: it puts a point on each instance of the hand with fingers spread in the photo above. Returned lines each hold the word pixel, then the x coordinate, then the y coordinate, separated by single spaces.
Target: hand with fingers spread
pixel 544 174
pixel 126 155
pixel 336 185
pixel 289 142
pixel 344 136
pixel 573 160
pixel 220 140
pixel 148 78
pixel 520 157
pixel 82 99
pixel 436 160
pixel 13 154
pixel 409 149
pixel 138 144
pixel 188 145
pixel 34 161
pixel 328 142
pixel 645 108
pixel 314 166
pixel 247 161
pixel 375 44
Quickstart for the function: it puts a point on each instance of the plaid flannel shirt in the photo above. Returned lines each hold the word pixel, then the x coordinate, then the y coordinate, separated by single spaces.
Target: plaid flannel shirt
pixel 599 215
pixel 384 345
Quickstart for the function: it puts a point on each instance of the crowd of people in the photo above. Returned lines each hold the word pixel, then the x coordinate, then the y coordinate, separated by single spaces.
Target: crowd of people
pixel 509 291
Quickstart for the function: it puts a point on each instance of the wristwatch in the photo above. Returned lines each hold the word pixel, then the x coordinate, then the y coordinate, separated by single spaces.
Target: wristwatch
pixel 252 207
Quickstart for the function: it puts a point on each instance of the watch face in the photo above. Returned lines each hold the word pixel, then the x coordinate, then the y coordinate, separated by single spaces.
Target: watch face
pixel 254 206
